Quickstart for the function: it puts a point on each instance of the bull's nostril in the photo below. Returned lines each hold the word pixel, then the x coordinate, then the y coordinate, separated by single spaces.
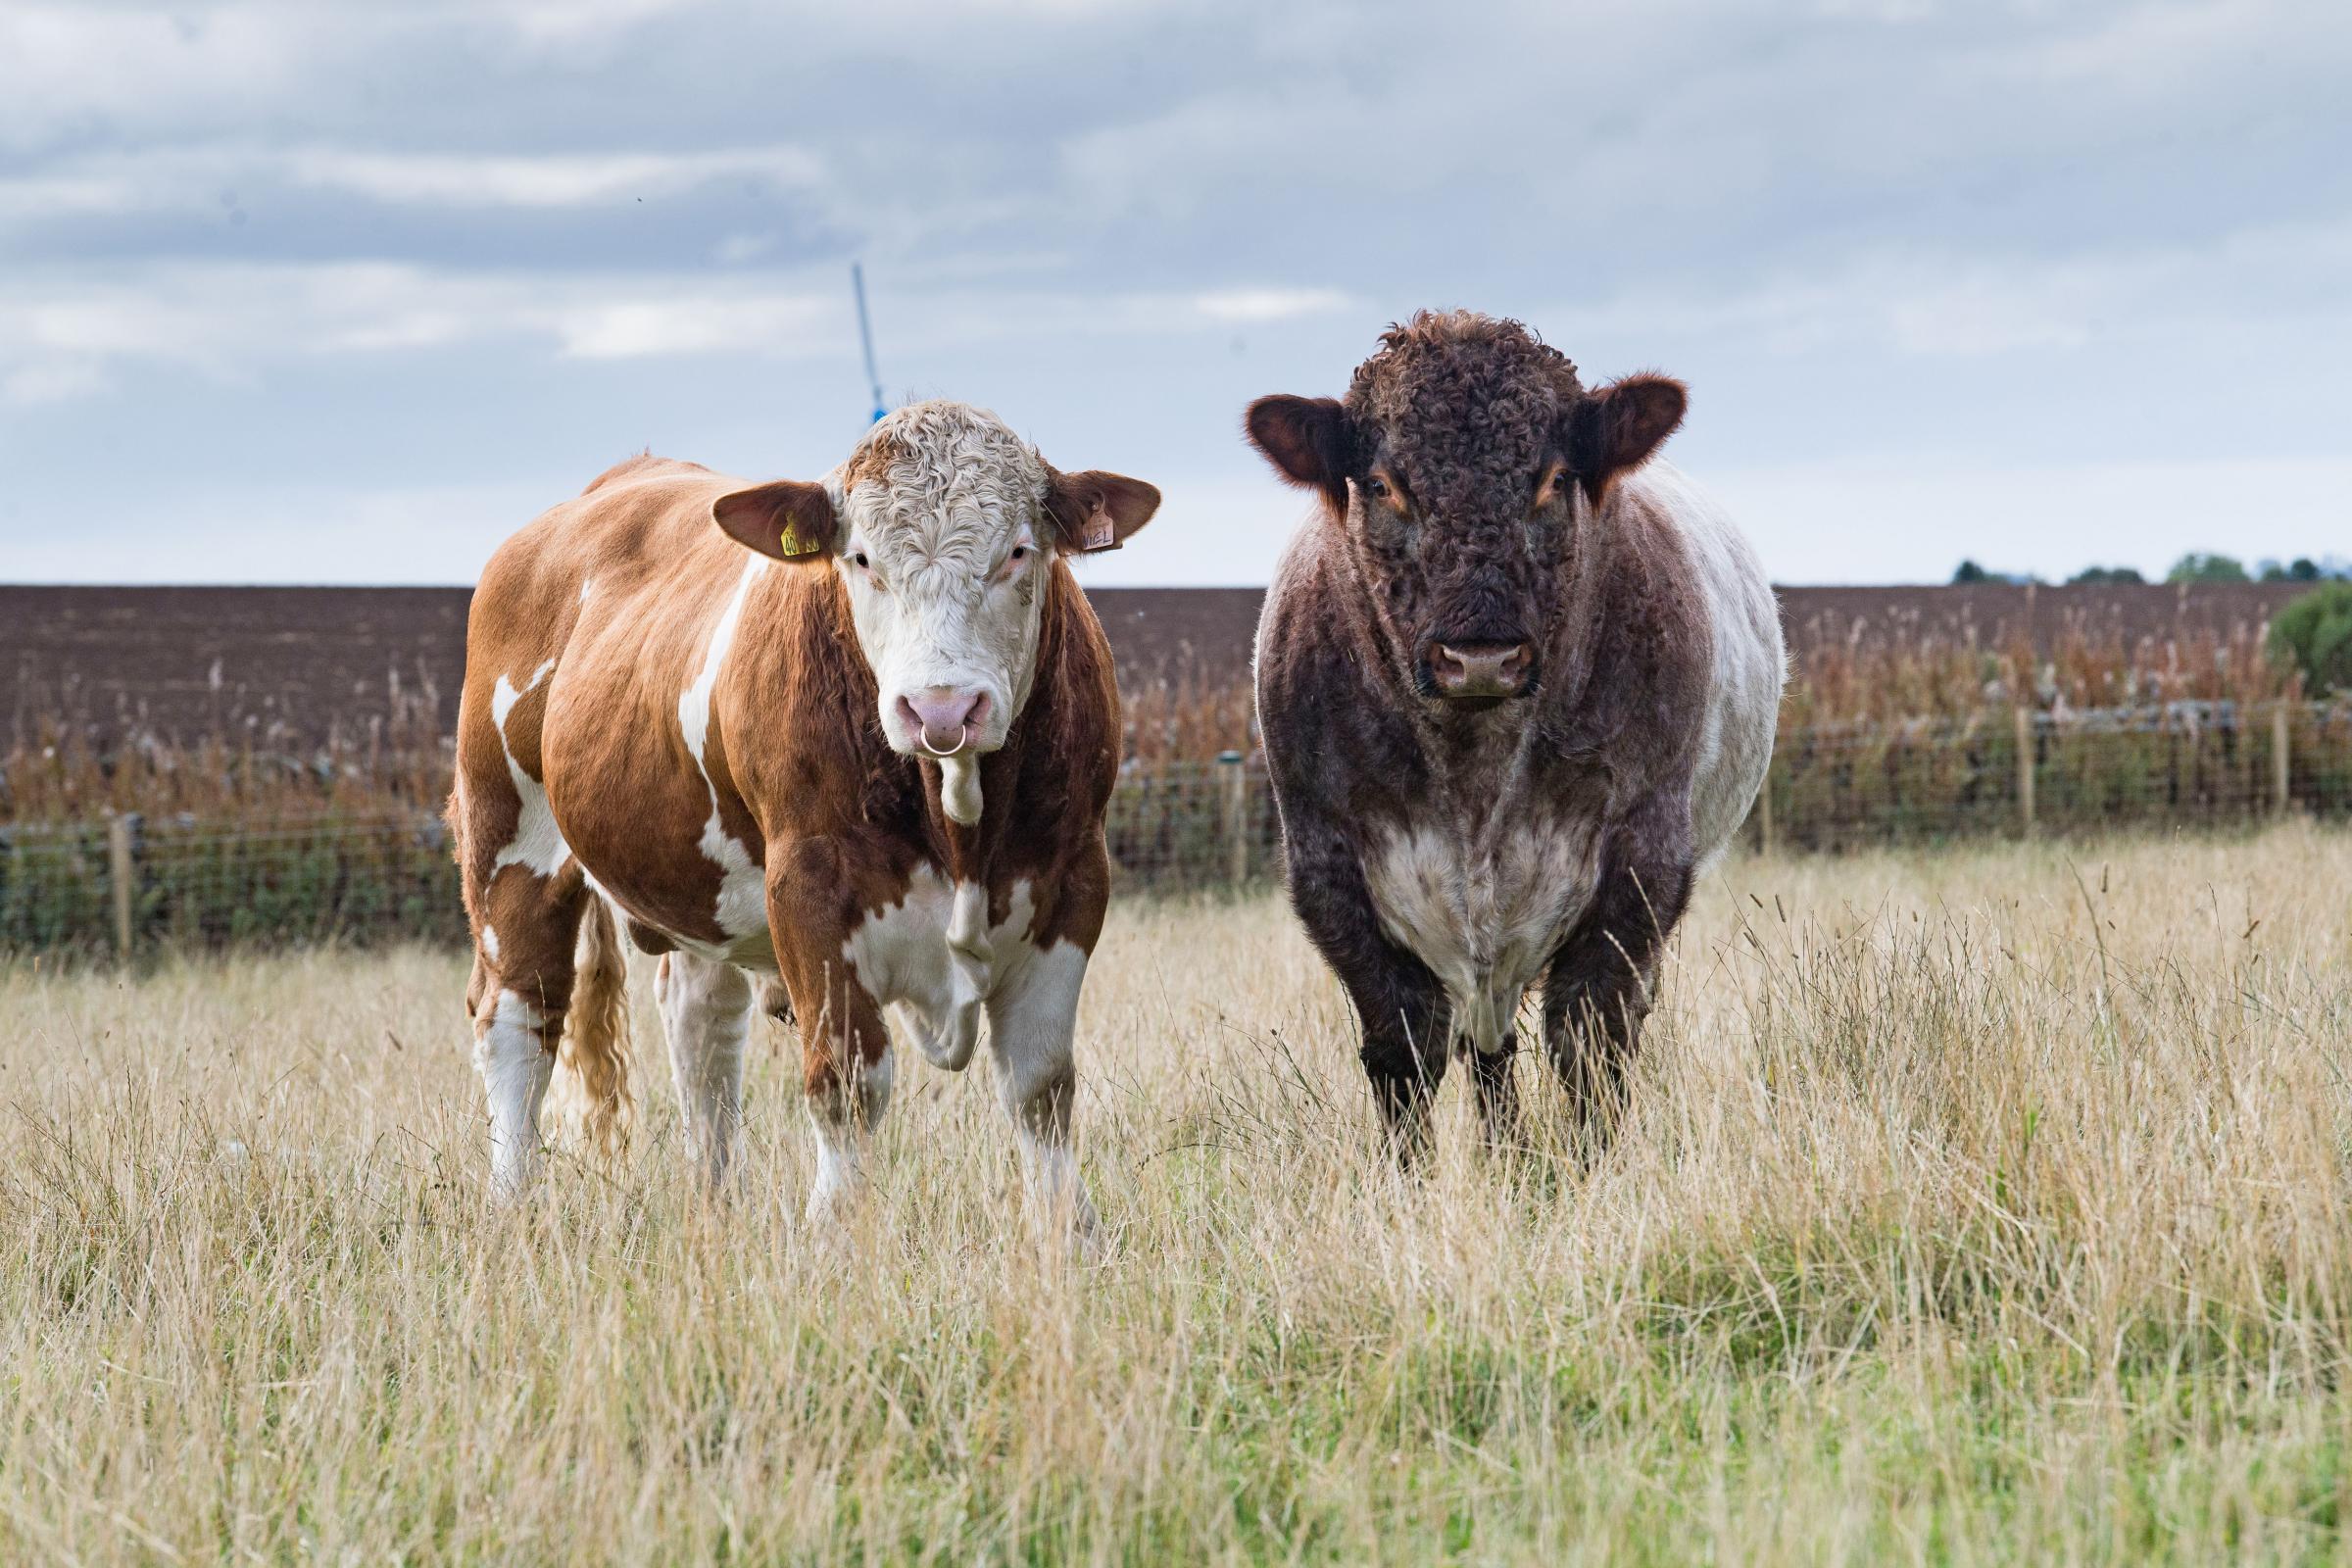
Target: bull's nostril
pixel 1481 668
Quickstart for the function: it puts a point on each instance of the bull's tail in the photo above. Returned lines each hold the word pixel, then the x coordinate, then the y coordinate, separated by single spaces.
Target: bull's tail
pixel 591 1089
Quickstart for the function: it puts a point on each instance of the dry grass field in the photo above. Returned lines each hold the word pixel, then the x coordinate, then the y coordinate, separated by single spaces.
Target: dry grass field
pixel 1982 1208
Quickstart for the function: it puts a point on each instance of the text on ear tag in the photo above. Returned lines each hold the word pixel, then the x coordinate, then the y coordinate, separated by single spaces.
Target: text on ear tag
pixel 794 543
pixel 1099 533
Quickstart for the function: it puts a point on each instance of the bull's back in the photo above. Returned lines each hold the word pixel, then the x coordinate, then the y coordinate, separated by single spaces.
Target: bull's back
pixel 587 638
pixel 623 564
pixel 585 617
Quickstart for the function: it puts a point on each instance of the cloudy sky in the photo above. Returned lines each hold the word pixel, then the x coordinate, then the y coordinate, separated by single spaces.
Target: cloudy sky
pixel 322 293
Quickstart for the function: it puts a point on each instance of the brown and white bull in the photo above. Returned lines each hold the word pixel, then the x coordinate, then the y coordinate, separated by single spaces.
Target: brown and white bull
pixel 855 734
pixel 1518 684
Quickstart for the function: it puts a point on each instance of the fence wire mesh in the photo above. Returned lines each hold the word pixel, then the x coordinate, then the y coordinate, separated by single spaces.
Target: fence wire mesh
pixel 131 885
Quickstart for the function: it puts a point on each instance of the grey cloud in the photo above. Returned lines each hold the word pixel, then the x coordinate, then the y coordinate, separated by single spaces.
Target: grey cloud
pixel 1868 229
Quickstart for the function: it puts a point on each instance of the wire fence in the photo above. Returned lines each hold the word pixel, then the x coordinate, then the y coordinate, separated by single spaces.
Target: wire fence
pixel 127 885
pixel 2018 771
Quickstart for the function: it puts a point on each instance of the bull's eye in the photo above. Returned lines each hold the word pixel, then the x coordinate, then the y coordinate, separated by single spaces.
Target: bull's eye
pixel 1377 488
pixel 861 564
pixel 1020 553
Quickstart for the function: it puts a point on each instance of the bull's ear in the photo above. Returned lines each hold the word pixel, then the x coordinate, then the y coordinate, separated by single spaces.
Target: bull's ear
pixel 1619 426
pixel 1096 510
pixel 1308 440
pixel 789 519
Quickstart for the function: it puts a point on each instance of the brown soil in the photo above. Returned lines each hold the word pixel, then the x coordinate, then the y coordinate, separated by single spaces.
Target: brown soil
pixel 190 662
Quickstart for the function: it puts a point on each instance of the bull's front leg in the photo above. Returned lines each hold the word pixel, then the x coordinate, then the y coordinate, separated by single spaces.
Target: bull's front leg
pixel 1603 976
pixel 1401 1005
pixel 1032 1026
pixel 1032 1031
pixel 707 1015
pixel 845 1045
pixel 1492 1073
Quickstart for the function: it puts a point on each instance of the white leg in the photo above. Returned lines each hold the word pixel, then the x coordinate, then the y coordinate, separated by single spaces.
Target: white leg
pixel 841 1132
pixel 707 1015
pixel 1031 1022
pixel 511 1052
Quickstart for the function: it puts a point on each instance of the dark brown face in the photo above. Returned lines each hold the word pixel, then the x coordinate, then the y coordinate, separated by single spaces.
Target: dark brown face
pixel 1453 465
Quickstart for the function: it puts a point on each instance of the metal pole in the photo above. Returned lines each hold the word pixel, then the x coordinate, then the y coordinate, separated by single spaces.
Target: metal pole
pixel 865 338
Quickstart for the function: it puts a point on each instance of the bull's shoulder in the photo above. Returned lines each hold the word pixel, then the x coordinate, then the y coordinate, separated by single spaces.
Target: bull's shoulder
pixel 634 601
pixel 648 508
pixel 1312 642
pixel 1646 638
pixel 1336 733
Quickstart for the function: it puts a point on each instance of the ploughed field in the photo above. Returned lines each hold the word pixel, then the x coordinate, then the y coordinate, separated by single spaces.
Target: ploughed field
pixel 1986 1207
pixel 281 666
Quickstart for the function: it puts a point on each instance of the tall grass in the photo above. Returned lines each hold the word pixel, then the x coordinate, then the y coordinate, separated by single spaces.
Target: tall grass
pixel 62 764
pixel 1984 1208
pixel 1899 670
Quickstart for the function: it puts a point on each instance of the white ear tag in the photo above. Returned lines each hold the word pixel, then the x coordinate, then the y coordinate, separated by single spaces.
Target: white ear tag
pixel 1099 533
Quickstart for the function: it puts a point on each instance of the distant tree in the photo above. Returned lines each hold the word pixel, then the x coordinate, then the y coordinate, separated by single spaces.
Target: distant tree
pixel 2314 633
pixel 2200 567
pixel 2103 576
pixel 2303 569
pixel 1970 571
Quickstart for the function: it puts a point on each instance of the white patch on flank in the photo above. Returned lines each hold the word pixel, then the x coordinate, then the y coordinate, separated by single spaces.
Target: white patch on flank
pixel 1750 664
pixel 586 583
pixel 931 960
pixel 512 1056
pixel 1485 908
pixel 503 695
pixel 490 943
pixel 538 844
pixel 743 887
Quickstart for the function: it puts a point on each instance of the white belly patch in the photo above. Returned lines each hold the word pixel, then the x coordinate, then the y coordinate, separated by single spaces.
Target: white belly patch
pixel 931 960
pixel 1484 913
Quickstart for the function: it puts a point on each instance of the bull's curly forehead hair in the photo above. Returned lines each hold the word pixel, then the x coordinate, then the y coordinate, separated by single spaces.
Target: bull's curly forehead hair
pixel 1463 359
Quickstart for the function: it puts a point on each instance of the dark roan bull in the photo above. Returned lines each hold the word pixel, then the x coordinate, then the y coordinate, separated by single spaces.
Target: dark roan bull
pixel 1518 681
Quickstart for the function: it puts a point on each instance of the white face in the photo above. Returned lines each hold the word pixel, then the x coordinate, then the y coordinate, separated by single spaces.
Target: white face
pixel 942 557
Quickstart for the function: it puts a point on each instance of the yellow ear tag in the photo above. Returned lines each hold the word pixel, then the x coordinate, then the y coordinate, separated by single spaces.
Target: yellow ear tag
pixel 791 544
pixel 1099 533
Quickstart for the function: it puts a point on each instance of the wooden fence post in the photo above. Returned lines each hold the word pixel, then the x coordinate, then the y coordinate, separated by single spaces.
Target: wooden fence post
pixel 1764 813
pixel 2025 768
pixel 121 873
pixel 1237 814
pixel 2281 777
